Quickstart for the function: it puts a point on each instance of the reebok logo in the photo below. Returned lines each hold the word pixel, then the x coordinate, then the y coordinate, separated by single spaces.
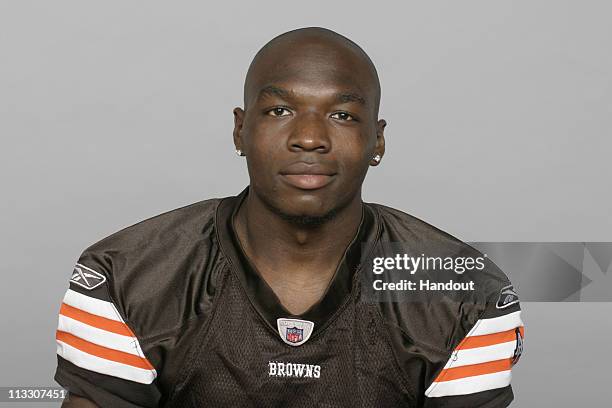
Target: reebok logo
pixel 86 278
pixel 507 297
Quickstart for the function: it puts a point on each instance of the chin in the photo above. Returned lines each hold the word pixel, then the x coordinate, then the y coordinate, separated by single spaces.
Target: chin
pixel 307 220
pixel 306 211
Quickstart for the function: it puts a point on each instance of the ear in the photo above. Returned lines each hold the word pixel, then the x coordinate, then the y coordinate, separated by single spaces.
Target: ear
pixel 238 122
pixel 380 141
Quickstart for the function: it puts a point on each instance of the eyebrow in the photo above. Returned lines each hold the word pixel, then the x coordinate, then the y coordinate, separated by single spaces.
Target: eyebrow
pixel 350 97
pixel 342 97
pixel 274 91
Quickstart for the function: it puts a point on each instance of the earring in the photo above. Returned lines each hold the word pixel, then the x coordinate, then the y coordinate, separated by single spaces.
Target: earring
pixel 377 158
pixel 239 152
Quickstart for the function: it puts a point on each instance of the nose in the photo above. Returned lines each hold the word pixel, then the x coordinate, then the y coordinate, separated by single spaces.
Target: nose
pixel 310 133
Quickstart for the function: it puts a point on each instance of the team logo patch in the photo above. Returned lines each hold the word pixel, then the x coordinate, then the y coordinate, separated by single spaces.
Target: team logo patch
pixel 86 278
pixel 518 351
pixel 507 297
pixel 294 332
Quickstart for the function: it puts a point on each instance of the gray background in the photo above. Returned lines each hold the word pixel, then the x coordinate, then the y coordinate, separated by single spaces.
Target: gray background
pixel 499 130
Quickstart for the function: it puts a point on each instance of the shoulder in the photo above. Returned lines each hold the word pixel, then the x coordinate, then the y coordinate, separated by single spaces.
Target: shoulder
pixel 187 222
pixel 453 325
pixel 450 312
pixel 132 297
pixel 152 266
pixel 423 239
pixel 397 224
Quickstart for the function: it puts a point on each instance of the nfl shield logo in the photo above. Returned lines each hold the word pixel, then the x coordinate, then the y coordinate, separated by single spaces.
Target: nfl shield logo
pixel 294 332
pixel 294 335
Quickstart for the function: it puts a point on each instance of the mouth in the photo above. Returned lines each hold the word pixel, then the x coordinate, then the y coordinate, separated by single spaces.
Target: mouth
pixel 308 181
pixel 306 176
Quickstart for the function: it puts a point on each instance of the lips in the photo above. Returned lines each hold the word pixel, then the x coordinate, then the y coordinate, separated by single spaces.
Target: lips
pixel 307 176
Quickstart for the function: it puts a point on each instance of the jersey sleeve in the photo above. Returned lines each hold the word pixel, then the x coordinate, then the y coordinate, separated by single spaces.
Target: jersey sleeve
pixel 99 357
pixel 479 369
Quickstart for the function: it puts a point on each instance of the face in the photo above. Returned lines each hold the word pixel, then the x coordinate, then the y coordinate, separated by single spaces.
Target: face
pixel 310 129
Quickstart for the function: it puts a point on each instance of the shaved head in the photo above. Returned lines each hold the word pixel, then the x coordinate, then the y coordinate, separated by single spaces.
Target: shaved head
pixel 309 52
pixel 309 128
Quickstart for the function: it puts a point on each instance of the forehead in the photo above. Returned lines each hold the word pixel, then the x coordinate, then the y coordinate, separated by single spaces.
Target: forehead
pixel 312 68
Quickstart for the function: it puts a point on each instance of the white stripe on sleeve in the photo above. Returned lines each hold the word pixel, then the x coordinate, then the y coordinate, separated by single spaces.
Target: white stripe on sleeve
pixel 101 365
pixel 497 324
pixel 470 385
pixel 92 305
pixel 100 337
pixel 479 355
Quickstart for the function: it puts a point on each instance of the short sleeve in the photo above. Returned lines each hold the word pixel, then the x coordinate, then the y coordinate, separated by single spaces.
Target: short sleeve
pixel 98 356
pixel 479 370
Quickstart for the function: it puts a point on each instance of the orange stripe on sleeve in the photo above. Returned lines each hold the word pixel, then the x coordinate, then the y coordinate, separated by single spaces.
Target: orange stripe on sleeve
pixel 489 339
pixel 96 321
pixel 103 352
pixel 474 369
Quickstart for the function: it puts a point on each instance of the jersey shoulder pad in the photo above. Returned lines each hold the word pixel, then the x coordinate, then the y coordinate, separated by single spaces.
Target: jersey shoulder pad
pixel 125 292
pixel 470 339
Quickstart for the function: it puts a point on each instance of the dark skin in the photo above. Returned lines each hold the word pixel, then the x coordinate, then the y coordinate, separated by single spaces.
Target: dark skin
pixel 309 130
pixel 311 101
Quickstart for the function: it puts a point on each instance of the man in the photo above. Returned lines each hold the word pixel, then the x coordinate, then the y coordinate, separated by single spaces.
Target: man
pixel 260 299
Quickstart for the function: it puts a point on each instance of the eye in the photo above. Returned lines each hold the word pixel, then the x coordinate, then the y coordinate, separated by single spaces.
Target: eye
pixel 342 116
pixel 279 111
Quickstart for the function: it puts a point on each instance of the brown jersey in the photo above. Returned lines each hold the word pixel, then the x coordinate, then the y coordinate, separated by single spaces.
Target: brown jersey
pixel 171 313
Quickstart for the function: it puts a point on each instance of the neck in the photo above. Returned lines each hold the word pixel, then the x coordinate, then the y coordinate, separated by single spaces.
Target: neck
pixel 310 252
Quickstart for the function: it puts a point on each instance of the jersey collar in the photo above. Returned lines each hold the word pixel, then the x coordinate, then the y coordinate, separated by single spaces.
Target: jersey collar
pixel 263 297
